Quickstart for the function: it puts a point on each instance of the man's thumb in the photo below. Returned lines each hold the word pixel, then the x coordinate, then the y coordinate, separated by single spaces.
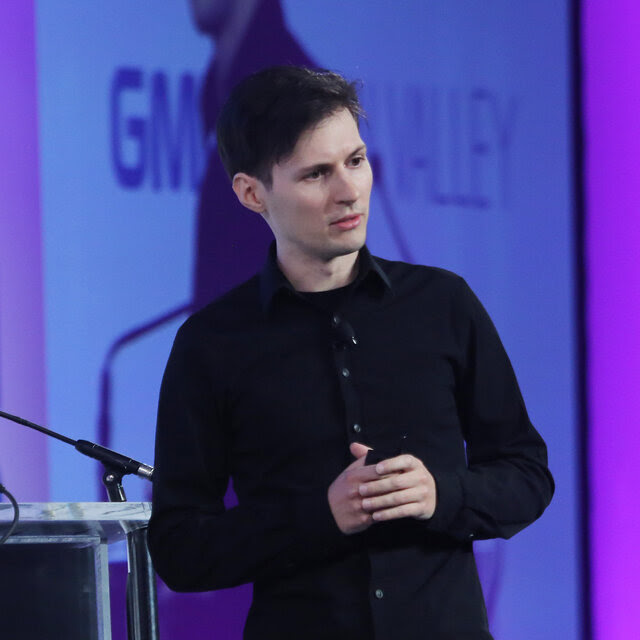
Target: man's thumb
pixel 358 450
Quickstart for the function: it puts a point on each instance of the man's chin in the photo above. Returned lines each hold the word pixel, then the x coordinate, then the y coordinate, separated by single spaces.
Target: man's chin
pixel 347 247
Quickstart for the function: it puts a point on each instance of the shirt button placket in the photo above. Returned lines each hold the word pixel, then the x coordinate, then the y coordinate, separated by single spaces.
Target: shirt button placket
pixel 342 354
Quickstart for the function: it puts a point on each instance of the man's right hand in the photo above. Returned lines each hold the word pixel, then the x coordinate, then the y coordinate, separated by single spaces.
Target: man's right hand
pixel 344 496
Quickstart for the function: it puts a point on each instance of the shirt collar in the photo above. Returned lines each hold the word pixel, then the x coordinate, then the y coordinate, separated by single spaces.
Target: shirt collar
pixel 273 281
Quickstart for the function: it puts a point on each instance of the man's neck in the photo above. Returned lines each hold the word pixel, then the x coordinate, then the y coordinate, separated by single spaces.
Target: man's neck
pixel 315 275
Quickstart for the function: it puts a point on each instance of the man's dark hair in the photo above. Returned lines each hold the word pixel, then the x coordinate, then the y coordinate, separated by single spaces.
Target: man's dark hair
pixel 267 112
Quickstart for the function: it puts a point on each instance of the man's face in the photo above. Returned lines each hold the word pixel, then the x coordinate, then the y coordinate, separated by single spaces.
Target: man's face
pixel 318 203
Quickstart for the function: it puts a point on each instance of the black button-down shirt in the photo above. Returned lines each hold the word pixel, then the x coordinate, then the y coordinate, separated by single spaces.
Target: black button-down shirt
pixel 268 386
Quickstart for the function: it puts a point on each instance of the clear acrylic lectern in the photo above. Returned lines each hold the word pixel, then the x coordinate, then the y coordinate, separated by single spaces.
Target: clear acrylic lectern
pixel 54 572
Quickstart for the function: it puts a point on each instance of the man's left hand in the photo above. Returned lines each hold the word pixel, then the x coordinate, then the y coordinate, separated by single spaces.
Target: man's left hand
pixel 405 488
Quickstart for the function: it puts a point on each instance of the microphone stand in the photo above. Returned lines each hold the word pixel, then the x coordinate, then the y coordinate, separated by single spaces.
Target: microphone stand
pixel 142 602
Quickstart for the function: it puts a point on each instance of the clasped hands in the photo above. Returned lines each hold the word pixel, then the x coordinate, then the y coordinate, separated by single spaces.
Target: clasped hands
pixel 395 488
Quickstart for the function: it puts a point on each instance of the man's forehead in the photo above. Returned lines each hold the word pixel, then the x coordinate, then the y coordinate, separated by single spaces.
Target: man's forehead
pixel 336 134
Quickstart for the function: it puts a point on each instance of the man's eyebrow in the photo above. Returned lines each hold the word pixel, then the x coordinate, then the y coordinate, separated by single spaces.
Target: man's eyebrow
pixel 360 149
pixel 322 166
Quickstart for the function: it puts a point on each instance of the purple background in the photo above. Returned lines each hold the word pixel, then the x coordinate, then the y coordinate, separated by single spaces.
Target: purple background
pixel 23 454
pixel 611 50
pixel 611 100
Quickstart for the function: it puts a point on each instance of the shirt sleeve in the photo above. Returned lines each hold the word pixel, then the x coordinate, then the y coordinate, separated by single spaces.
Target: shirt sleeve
pixel 196 543
pixel 506 484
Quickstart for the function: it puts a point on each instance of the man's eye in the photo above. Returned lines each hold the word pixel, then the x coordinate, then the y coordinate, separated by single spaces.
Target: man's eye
pixel 356 161
pixel 314 175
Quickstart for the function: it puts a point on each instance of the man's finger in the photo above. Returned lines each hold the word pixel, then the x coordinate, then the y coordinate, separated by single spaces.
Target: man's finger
pixel 398 481
pixel 361 473
pixel 405 462
pixel 395 499
pixel 410 510
pixel 358 450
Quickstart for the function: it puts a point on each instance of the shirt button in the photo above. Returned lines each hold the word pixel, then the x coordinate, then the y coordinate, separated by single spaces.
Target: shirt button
pixel 356 428
pixel 379 594
pixel 346 373
pixel 335 320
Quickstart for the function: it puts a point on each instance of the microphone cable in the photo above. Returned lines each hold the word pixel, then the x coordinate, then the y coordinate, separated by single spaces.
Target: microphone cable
pixel 16 514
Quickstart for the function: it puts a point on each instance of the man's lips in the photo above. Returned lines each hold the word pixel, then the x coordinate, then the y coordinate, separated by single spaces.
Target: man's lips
pixel 348 222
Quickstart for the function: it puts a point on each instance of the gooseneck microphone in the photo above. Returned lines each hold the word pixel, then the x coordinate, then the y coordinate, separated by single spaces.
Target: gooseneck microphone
pixel 109 458
pixel 114 459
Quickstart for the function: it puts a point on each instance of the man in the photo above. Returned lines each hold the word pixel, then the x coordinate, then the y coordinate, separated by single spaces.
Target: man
pixel 365 409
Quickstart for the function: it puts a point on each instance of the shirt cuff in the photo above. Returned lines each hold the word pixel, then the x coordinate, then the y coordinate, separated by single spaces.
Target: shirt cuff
pixel 449 502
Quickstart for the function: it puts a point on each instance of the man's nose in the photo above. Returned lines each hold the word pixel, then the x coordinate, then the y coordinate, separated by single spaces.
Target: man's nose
pixel 346 188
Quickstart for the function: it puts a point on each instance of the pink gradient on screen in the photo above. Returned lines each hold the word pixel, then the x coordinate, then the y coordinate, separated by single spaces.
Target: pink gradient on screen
pixel 611 55
pixel 23 453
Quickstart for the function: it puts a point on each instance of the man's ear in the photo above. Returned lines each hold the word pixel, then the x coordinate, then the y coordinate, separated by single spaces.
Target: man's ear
pixel 248 189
